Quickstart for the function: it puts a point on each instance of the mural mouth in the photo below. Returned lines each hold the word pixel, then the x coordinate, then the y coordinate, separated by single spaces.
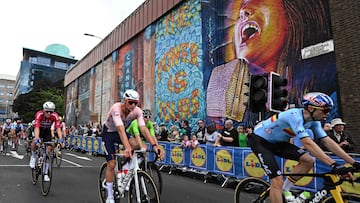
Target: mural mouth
pixel 248 31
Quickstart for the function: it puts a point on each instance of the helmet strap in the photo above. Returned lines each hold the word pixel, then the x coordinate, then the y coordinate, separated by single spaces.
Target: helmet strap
pixel 311 113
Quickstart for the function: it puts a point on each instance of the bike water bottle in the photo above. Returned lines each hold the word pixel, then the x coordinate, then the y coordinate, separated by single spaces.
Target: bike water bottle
pixel 303 197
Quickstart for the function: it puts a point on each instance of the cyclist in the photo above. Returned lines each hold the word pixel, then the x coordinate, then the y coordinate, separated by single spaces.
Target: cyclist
pixel 120 116
pixel 30 136
pixel 6 131
pixel 43 120
pixel 271 137
pixel 133 130
pixel 62 127
pixel 16 129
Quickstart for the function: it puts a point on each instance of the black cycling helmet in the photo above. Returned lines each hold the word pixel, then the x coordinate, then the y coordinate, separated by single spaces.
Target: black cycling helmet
pixel 147 113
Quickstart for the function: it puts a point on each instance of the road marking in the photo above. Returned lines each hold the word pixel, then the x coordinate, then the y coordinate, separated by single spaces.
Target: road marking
pixel 16 155
pixel 79 157
pixel 70 162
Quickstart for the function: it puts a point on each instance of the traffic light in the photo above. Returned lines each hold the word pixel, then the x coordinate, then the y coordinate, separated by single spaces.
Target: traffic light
pixel 258 93
pixel 278 92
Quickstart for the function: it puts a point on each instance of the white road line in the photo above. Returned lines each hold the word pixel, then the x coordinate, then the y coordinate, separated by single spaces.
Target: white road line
pixel 70 162
pixel 79 157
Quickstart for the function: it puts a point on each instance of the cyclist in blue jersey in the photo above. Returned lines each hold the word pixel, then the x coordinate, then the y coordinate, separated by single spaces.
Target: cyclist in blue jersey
pixel 271 137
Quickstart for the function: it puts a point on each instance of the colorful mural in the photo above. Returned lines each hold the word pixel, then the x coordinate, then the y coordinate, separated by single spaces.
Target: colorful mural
pixel 194 62
pixel 179 91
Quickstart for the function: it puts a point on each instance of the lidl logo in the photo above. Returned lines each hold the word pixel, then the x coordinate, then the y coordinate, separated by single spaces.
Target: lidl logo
pixel 89 144
pixel 96 145
pixel 177 155
pixel 198 157
pixel 252 166
pixel 224 160
pixel 78 142
pixel 288 167
pixel 73 142
pixel 83 144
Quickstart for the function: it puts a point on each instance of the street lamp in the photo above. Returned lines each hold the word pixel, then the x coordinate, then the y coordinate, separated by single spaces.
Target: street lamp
pixel 102 72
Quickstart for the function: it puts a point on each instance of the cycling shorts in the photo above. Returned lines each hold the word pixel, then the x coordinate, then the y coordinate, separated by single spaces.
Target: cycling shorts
pixel 45 134
pixel 111 140
pixel 266 151
pixel 6 132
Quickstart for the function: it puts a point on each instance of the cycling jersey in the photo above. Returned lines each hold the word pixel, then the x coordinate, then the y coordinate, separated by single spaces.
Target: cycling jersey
pixel 17 127
pixel 7 128
pixel 286 125
pixel 45 124
pixel 134 129
pixel 116 118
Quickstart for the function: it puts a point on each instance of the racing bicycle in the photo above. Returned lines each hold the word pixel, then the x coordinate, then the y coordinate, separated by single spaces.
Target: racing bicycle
pixel 43 157
pixel 257 190
pixel 142 187
pixel 152 169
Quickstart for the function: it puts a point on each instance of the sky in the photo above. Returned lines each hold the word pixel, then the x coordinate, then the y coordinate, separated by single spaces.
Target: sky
pixel 36 24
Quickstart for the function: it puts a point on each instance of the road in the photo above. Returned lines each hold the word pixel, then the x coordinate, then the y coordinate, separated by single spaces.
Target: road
pixel 76 181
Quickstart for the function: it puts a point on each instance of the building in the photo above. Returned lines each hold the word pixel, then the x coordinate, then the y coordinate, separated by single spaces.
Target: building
pixel 191 59
pixel 7 84
pixel 51 64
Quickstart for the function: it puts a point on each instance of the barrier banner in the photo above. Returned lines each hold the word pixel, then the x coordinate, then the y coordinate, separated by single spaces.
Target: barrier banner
pixel 230 161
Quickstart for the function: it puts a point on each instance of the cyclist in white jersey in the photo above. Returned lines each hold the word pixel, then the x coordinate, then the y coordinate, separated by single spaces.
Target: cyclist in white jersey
pixel 271 137
pixel 118 119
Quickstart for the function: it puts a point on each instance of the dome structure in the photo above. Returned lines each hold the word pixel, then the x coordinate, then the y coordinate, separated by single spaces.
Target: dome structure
pixel 58 49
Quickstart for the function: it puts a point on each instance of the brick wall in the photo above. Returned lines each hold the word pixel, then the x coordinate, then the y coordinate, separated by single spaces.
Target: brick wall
pixel 345 17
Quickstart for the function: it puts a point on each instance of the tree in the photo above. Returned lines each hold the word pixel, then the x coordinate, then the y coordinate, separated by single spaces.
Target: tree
pixel 26 105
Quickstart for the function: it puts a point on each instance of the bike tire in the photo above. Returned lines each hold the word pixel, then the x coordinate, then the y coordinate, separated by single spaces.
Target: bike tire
pixel 35 172
pixel 58 156
pixel 5 146
pixel 347 197
pixel 147 187
pixel 153 170
pixel 252 189
pixel 46 185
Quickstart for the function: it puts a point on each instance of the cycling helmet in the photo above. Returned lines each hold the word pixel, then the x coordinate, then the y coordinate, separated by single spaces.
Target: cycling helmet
pixel 131 94
pixel 147 113
pixel 8 120
pixel 317 99
pixel 60 118
pixel 49 106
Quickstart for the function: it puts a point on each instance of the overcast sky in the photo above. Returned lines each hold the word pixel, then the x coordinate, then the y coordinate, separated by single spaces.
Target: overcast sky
pixel 35 24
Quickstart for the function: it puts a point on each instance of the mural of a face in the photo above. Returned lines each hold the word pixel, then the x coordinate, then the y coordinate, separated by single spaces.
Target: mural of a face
pixel 261 32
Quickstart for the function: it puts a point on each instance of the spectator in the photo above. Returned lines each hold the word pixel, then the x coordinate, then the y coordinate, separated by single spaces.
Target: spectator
pixel 327 127
pixel 85 129
pixel 340 136
pixel 74 131
pixel 163 133
pixel 194 141
pixel 174 135
pixel 156 129
pixel 200 133
pixel 211 135
pixel 185 129
pixel 242 136
pixel 185 143
pixel 229 136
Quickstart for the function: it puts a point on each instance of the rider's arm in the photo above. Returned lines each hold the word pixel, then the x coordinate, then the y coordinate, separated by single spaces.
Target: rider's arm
pixel 123 136
pixel 316 151
pixel 332 146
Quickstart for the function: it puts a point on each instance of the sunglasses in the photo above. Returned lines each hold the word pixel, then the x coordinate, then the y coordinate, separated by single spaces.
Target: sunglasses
pixel 49 112
pixel 133 102
pixel 147 117
pixel 324 110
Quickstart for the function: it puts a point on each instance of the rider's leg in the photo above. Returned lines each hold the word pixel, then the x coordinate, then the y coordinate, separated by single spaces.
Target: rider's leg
pixel 276 189
pixel 110 178
pixel 306 162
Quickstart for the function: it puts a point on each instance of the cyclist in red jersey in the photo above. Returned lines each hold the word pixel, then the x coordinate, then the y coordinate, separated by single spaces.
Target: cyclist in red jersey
pixel 42 129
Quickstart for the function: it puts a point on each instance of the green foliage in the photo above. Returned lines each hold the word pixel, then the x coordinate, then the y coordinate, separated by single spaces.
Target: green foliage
pixel 26 105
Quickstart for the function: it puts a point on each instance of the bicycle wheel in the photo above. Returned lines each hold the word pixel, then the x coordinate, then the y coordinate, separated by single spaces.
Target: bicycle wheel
pixel 252 190
pixel 147 188
pixel 58 156
pixel 347 197
pixel 46 184
pixel 35 172
pixel 153 170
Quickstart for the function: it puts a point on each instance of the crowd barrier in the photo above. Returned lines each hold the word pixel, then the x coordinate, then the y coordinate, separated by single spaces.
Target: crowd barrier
pixel 228 161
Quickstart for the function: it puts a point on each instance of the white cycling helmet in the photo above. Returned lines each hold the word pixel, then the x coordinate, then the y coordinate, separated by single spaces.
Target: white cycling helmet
pixel 131 95
pixel 8 120
pixel 49 106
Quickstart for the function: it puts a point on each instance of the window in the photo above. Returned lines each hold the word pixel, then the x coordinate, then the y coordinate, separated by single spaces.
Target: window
pixel 2 85
pixel 44 61
pixel 60 65
pixel 10 86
